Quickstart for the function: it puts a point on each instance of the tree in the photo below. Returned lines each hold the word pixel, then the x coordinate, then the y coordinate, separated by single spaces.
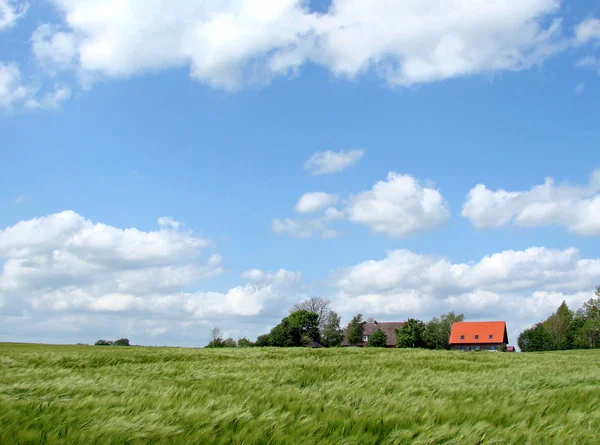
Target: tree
pixel 437 332
pixel 410 335
pixel 121 342
pixel 229 343
pixel 215 338
pixel 587 331
pixel 535 339
pixel 297 329
pixel 378 339
pixel 244 343
pixel 558 326
pixel 263 341
pixel 355 331
pixel 103 343
pixel 331 333
pixel 317 305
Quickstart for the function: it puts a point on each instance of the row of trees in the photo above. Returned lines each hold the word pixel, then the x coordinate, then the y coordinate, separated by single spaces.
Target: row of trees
pixel 413 334
pixel 119 342
pixel 565 329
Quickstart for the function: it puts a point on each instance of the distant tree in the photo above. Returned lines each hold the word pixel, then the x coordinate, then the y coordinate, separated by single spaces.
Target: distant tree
pixel 331 333
pixel 244 343
pixel 229 343
pixel 121 342
pixel 558 326
pixel 587 331
pixel 411 334
pixel 317 305
pixel 297 329
pixel 263 341
pixel 535 339
pixel 215 338
pixel 437 332
pixel 502 348
pixel 378 339
pixel 355 331
pixel 103 343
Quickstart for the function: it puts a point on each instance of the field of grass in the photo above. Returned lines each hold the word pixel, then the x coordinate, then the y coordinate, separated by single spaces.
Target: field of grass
pixel 86 394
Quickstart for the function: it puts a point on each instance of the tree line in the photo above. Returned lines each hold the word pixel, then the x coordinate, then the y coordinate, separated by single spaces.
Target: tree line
pixel 314 322
pixel 565 329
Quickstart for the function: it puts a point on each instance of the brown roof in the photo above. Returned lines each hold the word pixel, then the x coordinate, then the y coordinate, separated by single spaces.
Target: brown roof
pixel 388 328
pixel 474 332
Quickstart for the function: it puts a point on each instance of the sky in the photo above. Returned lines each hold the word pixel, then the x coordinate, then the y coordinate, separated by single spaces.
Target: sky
pixel 171 166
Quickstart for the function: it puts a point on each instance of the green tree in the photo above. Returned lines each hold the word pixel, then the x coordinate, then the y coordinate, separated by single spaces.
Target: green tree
pixel 411 334
pixel 437 332
pixel 558 325
pixel 317 305
pixel 263 341
pixel 355 331
pixel 331 333
pixel 121 342
pixel 535 339
pixel 229 343
pixel 244 343
pixel 296 329
pixel 587 332
pixel 378 339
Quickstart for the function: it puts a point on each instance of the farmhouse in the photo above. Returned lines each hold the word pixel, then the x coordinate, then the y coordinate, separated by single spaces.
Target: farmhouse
pixel 476 336
pixel 388 329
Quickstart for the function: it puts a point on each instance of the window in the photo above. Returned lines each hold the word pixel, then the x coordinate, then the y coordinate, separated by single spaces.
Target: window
pixel 460 348
pixel 477 348
pixel 492 348
pixel 468 348
pixel 462 337
pixel 491 336
pixel 477 337
pixel 366 338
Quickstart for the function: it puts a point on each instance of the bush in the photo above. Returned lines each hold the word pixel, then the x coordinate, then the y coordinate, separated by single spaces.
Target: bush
pixel 378 339
pixel 122 342
pixel 103 343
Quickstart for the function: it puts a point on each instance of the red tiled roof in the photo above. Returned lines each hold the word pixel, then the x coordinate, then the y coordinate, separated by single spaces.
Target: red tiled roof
pixel 388 328
pixel 474 332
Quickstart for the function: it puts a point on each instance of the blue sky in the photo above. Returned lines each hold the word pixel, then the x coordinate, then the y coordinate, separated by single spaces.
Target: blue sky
pixel 121 116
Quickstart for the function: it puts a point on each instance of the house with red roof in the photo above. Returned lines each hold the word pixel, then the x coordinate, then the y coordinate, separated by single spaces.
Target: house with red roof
pixel 478 335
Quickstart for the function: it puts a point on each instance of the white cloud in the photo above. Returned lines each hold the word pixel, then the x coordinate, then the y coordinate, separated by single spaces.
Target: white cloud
pixel 399 207
pixel 11 11
pixel 580 88
pixel 589 63
pixel 230 43
pixel 55 50
pixel 521 287
pixel 329 162
pixel 19 200
pixel 316 201
pixel 575 207
pixel 587 30
pixel 12 90
pixel 307 227
pixel 142 283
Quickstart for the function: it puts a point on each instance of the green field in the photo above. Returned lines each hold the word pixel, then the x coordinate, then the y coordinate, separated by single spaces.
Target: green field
pixel 86 394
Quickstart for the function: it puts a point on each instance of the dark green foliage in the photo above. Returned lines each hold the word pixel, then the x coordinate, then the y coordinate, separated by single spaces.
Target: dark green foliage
pixel 297 329
pixel 502 347
pixel 565 330
pixel 535 339
pixel 437 332
pixel 411 334
pixel 331 333
pixel 220 343
pixel 122 342
pixel 263 341
pixel 378 339
pixel 244 343
pixel 355 331
pixel 103 343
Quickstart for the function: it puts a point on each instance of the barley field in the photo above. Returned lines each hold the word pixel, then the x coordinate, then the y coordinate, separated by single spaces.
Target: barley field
pixel 112 395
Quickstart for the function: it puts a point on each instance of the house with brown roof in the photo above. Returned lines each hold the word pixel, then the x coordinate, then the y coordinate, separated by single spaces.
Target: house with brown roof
pixel 478 335
pixel 388 328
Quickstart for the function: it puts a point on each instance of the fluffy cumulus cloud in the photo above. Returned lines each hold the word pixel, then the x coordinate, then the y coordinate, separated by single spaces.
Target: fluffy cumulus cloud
pixel 399 207
pixel 330 162
pixel 313 202
pixel 521 287
pixel 11 11
pixel 575 207
pixel 232 42
pixel 65 266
